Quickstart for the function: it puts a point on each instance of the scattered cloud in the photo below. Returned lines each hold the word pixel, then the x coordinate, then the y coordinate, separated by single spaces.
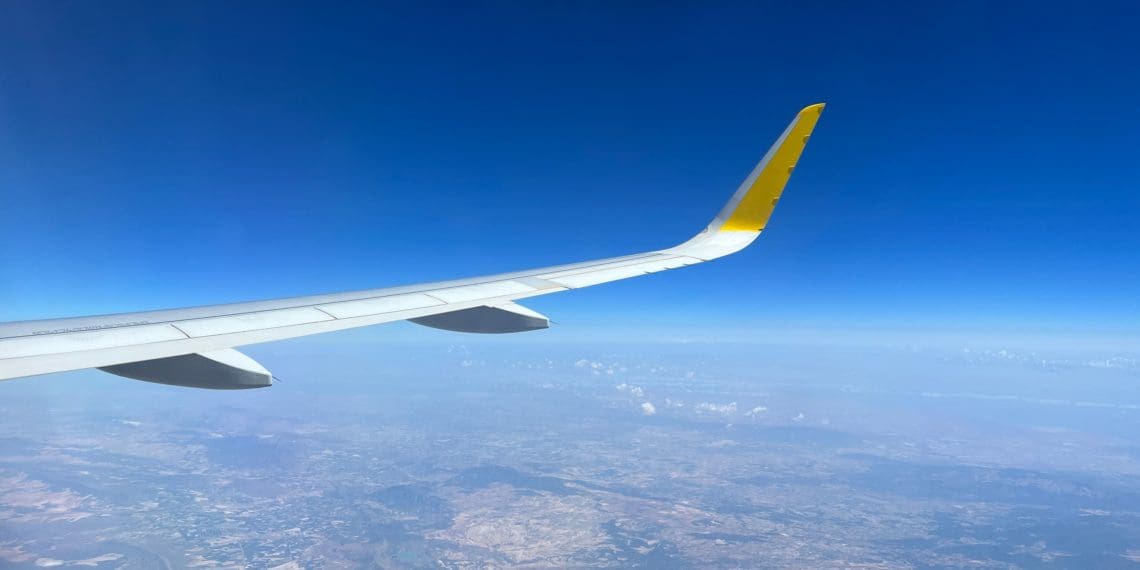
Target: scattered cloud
pixel 648 409
pixel 1115 362
pixel 1006 356
pixel 635 391
pixel 599 368
pixel 1040 401
pixel 756 411
pixel 722 409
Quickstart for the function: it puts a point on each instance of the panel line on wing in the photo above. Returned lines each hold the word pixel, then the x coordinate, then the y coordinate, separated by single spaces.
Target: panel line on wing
pixel 614 272
pixel 482 291
pixel 89 340
pixel 553 276
pixel 540 283
pixel 379 305
pixel 252 321
pixel 317 307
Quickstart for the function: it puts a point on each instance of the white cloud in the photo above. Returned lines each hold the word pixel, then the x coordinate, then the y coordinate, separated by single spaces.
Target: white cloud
pixel 1114 362
pixel 756 411
pixel 799 417
pixel 1039 401
pixel 723 409
pixel 599 368
pixel 635 391
pixel 1031 359
pixel 648 409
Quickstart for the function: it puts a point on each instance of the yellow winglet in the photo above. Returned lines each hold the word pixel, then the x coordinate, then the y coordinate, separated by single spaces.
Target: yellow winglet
pixel 756 198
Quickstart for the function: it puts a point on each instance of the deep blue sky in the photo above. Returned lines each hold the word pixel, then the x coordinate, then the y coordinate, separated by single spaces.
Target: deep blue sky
pixel 976 166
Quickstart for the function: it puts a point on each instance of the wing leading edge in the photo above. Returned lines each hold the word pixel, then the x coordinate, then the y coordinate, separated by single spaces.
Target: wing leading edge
pixel 158 338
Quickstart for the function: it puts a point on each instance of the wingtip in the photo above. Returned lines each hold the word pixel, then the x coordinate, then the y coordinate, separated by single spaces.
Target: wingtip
pixel 753 203
pixel 817 107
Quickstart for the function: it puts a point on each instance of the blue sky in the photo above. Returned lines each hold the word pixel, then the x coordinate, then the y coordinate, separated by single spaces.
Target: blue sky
pixel 976 167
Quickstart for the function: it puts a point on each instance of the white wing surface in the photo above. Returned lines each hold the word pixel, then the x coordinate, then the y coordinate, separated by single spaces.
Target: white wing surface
pixel 194 346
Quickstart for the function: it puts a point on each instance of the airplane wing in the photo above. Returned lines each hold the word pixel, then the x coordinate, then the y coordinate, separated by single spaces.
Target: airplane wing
pixel 195 346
